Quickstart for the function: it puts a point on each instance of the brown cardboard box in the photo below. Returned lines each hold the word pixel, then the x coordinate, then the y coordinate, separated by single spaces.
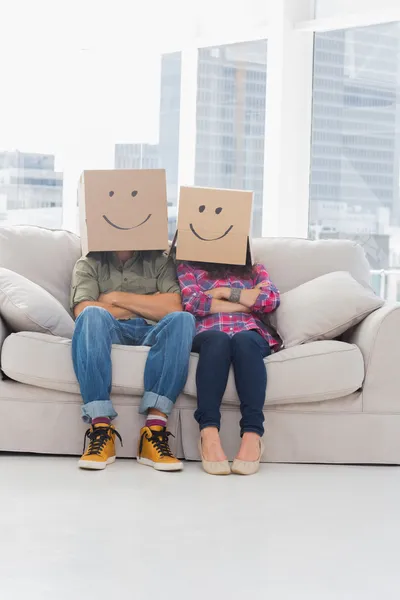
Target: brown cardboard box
pixel 213 225
pixel 123 210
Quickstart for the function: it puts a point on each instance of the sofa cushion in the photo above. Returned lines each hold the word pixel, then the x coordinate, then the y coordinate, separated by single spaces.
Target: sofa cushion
pixel 44 256
pixel 308 373
pixel 323 308
pixel 45 361
pixel 291 262
pixel 26 306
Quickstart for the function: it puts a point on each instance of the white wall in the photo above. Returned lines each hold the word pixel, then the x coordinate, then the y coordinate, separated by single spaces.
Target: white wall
pixel 333 8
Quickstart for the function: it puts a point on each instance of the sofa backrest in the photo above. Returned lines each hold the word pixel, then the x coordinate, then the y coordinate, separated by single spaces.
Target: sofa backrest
pixel 48 257
pixel 291 261
pixel 44 256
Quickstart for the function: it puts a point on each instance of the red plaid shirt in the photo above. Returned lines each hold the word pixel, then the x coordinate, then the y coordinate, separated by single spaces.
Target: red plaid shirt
pixel 195 283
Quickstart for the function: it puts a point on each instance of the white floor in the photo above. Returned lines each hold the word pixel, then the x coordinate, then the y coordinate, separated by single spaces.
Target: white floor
pixel 289 533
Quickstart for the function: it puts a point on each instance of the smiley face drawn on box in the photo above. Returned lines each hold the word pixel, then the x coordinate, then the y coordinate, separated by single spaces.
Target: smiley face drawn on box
pixel 213 225
pixel 123 209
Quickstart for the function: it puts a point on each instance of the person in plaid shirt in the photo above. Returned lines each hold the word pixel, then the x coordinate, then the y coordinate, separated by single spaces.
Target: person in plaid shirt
pixel 227 302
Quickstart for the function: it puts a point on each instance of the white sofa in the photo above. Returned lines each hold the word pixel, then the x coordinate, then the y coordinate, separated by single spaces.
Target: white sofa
pixel 326 402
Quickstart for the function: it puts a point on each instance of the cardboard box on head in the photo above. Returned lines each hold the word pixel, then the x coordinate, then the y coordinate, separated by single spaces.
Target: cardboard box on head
pixel 123 209
pixel 213 225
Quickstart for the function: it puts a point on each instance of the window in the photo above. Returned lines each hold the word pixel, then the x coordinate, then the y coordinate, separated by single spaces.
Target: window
pixel 231 109
pixel 45 146
pixel 109 98
pixel 355 159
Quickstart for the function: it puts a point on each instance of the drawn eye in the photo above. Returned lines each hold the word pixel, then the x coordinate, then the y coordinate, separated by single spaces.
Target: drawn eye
pixel 134 193
pixel 111 194
pixel 218 210
pixel 202 208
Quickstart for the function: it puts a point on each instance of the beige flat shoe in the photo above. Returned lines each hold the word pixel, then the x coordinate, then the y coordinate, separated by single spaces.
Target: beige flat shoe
pixel 216 467
pixel 247 467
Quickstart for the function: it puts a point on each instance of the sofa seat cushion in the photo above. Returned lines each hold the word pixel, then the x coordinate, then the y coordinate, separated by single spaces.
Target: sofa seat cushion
pixel 45 361
pixel 313 372
pixel 310 373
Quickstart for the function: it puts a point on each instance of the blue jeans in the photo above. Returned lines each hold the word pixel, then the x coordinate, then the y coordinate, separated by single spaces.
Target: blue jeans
pixel 245 351
pixel 167 363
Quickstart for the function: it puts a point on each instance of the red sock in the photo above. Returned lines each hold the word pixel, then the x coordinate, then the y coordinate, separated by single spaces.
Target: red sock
pixel 98 420
pixel 156 421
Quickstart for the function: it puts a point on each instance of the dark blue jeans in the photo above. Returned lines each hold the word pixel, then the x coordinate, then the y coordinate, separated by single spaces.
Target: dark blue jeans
pixel 245 351
pixel 167 362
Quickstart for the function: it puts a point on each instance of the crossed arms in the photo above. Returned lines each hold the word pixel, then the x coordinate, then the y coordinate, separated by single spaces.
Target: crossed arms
pixel 125 305
pixel 262 298
pixel 220 303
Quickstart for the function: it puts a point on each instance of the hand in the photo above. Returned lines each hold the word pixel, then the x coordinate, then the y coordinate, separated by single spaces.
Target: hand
pixel 219 293
pixel 249 297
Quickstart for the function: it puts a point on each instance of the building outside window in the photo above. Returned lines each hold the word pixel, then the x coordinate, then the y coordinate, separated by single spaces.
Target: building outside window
pixel 354 190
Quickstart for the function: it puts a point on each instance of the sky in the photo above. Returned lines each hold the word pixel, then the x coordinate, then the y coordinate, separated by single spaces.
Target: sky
pixel 77 105
pixel 69 82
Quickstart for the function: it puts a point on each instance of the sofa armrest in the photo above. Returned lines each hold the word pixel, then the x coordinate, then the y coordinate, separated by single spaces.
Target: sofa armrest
pixel 378 338
pixel 3 334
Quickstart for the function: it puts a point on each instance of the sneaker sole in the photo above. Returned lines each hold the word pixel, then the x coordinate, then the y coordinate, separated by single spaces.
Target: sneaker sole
pixel 92 465
pixel 160 466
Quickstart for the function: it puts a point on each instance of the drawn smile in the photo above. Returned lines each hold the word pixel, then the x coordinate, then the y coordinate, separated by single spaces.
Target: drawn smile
pixel 125 228
pixel 209 239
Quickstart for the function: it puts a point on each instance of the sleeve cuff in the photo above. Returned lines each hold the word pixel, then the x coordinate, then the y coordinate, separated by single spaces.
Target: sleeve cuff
pixel 203 301
pixel 260 302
